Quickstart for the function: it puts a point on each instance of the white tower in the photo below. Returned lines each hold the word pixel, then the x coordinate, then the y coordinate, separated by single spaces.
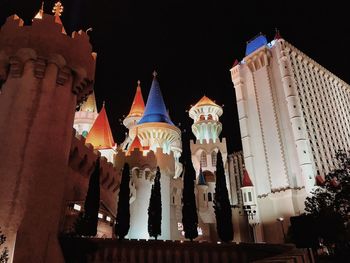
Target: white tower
pixel 207 128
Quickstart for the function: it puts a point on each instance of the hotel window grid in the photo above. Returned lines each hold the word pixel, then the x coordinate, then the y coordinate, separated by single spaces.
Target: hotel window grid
pixel 323 101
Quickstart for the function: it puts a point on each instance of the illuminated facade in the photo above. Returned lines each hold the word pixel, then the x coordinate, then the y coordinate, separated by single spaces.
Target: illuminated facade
pixel 207 128
pixel 289 127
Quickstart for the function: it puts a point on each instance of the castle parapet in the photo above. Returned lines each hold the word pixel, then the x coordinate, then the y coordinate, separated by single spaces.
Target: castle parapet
pixel 82 159
pixel 45 43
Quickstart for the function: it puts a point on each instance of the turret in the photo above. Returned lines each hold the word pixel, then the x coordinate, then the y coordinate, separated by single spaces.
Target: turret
pixel 206 124
pixel 100 136
pixel 156 130
pixel 86 116
pixel 248 193
pixel 45 74
pixel 137 109
pixel 202 189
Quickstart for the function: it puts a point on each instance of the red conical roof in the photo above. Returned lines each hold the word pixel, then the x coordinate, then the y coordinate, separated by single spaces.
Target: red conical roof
pixel 138 105
pixel 319 180
pixel 136 144
pixel 246 179
pixel 277 35
pixel 100 135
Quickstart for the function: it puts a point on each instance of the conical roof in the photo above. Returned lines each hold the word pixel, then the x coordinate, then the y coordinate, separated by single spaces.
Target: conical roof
pixel 155 110
pixel 89 104
pixel 100 135
pixel 205 101
pixel 138 105
pixel 246 179
pixel 136 144
pixel 201 179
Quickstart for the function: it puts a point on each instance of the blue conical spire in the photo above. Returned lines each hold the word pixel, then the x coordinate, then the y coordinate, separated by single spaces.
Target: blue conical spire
pixel 201 179
pixel 155 110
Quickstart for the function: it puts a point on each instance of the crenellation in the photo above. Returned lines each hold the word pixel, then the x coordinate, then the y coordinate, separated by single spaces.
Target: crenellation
pixel 75 53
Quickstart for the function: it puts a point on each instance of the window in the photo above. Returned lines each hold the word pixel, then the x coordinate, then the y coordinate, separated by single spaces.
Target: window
pixel 210 197
pixel 201 118
pixel 203 159
pixel 210 117
pixel 77 207
pixel 100 215
pixel 204 196
pixel 250 197
pixel 213 158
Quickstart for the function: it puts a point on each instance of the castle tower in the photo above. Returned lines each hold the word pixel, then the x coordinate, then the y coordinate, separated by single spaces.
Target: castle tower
pixel 207 128
pixel 44 75
pixel 86 116
pixel 137 109
pixel 100 136
pixel 136 112
pixel 156 130
pixel 153 141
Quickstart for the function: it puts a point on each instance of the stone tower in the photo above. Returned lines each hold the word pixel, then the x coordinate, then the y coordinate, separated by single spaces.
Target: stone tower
pixel 44 74
pixel 153 140
pixel 207 128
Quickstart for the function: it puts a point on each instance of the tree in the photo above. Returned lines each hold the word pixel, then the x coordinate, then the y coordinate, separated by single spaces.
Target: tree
pixel 4 254
pixel 189 209
pixel 222 204
pixel 86 224
pixel 329 205
pixel 155 209
pixel 123 214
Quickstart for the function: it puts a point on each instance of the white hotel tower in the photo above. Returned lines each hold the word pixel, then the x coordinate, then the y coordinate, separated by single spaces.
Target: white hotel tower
pixel 293 116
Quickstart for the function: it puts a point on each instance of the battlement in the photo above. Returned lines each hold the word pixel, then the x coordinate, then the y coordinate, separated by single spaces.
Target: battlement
pixel 82 158
pixel 149 161
pixel 45 42
pixel 211 141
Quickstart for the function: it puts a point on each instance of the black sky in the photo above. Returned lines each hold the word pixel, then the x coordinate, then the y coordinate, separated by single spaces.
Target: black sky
pixel 192 45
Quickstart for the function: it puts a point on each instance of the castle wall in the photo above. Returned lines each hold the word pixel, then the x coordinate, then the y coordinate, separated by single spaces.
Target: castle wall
pixel 43 82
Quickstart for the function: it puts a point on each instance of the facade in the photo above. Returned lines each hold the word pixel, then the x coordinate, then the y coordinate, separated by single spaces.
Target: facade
pixel 289 128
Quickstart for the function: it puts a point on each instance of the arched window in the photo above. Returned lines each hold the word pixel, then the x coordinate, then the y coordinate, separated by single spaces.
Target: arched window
pixel 201 118
pixel 203 159
pixel 213 158
pixel 210 117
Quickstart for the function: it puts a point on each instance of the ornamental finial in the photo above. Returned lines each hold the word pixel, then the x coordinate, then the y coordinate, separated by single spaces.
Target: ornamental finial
pixel 58 8
pixel 155 73
pixel 138 83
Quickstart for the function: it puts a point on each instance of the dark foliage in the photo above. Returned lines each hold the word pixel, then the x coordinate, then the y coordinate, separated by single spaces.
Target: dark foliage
pixel 222 204
pixel 4 254
pixel 329 206
pixel 123 214
pixel 155 209
pixel 86 224
pixel 189 209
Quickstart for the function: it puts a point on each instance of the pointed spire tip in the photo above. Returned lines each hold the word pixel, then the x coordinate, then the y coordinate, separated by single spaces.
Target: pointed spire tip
pixel 155 74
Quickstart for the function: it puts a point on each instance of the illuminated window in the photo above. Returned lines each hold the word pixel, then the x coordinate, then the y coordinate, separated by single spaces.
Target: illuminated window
pixel 213 158
pixel 180 227
pixel 200 231
pixel 77 207
pixel 100 215
pixel 204 159
pixel 108 219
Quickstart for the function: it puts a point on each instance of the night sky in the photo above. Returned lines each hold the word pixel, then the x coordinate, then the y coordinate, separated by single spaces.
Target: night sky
pixel 192 45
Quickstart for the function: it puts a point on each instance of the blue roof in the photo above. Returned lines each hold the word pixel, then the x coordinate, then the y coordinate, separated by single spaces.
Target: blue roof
pixel 256 43
pixel 155 110
pixel 201 179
